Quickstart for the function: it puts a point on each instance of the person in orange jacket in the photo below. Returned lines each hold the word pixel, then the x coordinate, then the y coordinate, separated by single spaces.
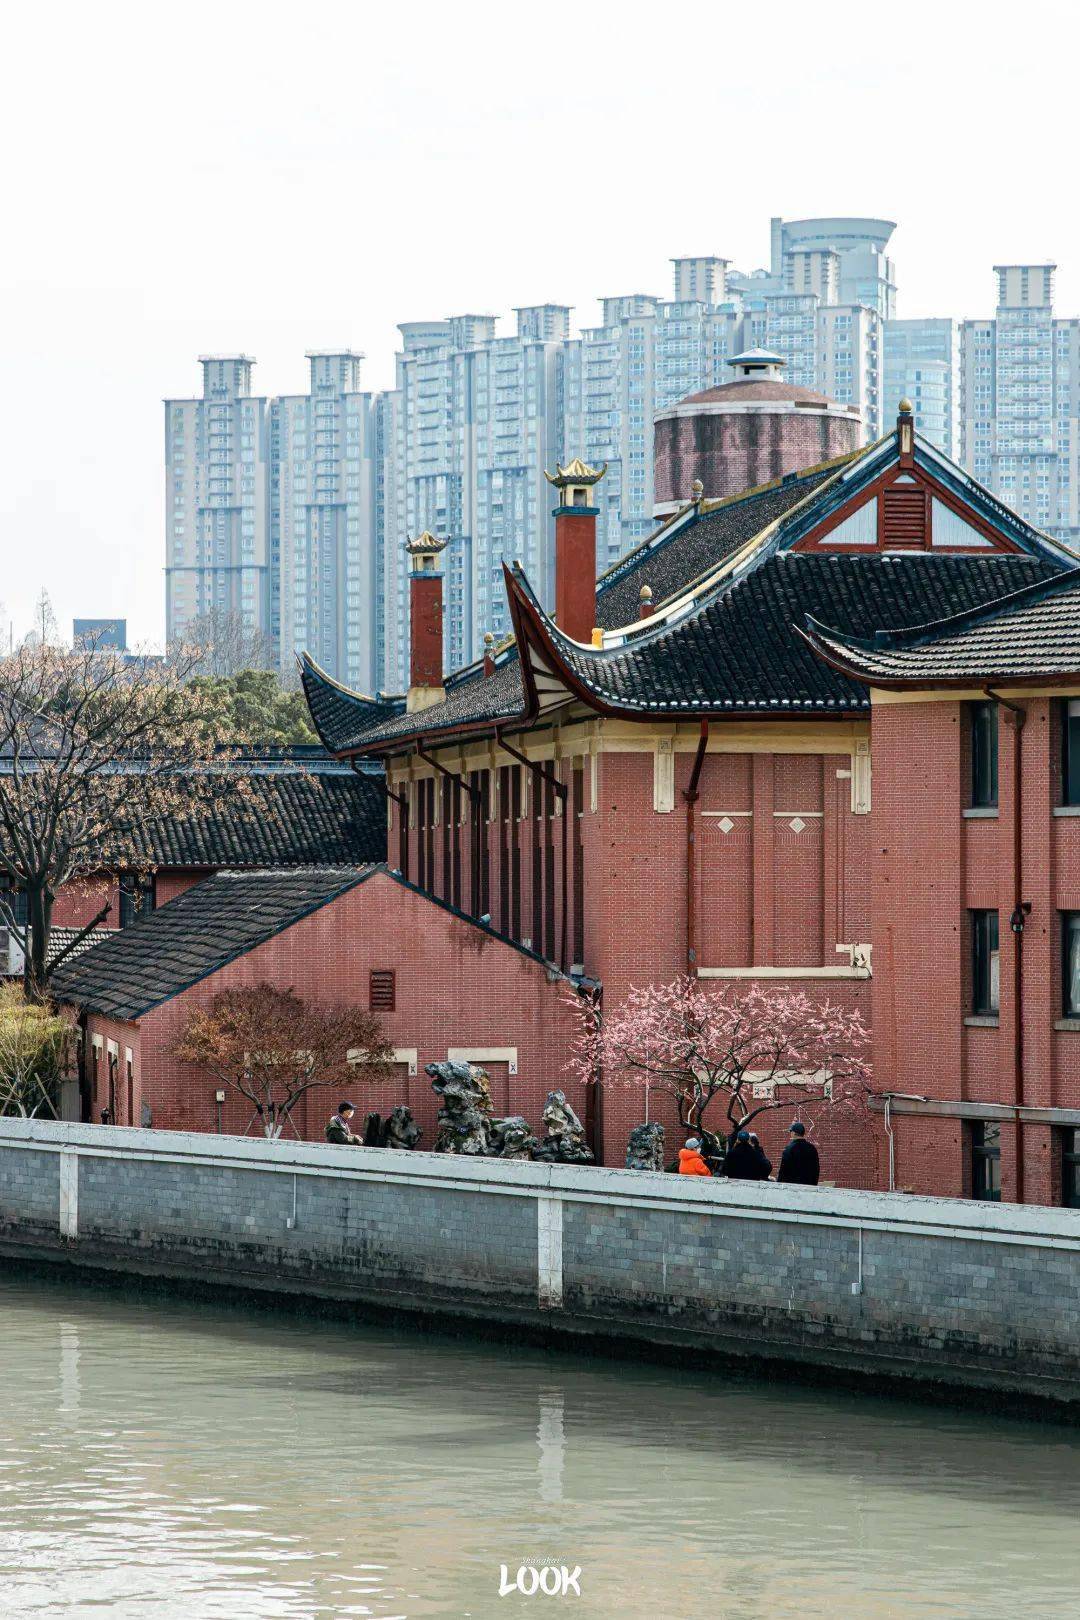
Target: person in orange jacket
pixel 690 1161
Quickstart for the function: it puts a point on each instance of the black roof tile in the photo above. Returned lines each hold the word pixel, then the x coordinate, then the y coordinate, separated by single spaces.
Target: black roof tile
pixel 1032 634
pixel 168 950
pixel 671 561
pixel 272 818
pixel 741 649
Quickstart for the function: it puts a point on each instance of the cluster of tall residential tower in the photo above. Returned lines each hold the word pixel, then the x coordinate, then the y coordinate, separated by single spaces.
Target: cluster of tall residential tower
pixel 292 511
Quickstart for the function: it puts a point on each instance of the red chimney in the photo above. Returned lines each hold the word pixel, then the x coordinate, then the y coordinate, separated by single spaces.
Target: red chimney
pixel 425 623
pixel 575 549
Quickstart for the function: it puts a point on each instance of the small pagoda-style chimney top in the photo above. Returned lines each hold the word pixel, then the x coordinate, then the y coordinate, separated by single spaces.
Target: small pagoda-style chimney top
pixel 425 622
pixel 575 548
pixel 423 552
pixel 576 481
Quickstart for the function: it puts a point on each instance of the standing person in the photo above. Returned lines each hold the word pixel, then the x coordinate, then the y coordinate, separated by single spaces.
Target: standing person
pixel 744 1162
pixel 799 1161
pixel 340 1127
pixel 766 1163
pixel 690 1161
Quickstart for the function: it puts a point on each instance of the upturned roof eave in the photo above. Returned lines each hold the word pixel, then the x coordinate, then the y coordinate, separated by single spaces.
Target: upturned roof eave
pixel 533 628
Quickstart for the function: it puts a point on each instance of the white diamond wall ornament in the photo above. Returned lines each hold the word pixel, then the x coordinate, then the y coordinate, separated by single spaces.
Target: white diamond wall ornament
pixel 796 824
pixel 725 824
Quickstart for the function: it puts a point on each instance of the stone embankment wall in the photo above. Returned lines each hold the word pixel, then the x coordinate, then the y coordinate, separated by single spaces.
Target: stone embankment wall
pixel 937 1290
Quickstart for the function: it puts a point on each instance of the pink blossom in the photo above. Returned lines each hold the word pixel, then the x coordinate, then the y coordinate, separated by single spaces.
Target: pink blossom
pixel 754 1049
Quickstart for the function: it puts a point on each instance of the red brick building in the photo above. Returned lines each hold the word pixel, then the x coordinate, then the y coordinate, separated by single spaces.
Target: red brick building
pixel 442 985
pixel 700 785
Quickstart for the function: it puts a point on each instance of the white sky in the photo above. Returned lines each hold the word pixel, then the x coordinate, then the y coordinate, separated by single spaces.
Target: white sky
pixel 272 178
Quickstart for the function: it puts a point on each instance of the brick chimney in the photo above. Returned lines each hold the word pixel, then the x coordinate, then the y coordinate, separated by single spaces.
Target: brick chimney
pixel 575 548
pixel 425 623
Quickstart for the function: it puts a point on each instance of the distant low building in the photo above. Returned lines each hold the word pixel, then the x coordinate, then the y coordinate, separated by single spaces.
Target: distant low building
pixel 111 633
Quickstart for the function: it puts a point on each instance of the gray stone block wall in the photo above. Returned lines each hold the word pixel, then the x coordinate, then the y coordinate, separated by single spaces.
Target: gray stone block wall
pixel 29 1190
pixel 934 1289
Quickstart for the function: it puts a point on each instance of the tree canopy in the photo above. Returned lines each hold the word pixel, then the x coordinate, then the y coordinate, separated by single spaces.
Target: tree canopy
pixel 35 1052
pixel 252 707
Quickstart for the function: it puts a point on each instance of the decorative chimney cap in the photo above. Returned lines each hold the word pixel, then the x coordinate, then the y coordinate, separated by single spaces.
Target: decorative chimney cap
pixel 425 545
pixel 576 472
pixel 424 551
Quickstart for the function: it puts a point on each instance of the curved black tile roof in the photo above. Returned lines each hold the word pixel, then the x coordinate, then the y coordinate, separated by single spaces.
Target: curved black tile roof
pixel 1032 634
pixel 338 714
pixel 741 650
pixel 669 562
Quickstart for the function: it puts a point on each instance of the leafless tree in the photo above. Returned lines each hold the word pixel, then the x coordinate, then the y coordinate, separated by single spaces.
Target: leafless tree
pixel 224 645
pixel 91 749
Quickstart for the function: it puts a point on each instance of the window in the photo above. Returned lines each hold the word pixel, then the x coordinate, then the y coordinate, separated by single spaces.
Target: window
pixel 985 976
pixel 136 898
pixel 382 990
pixel 986 1160
pixel 1070 751
pixel 1070 1168
pixel 1070 964
pixel 984 755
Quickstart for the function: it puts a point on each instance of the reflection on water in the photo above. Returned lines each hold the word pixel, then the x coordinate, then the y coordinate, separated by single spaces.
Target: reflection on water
pixel 169 1461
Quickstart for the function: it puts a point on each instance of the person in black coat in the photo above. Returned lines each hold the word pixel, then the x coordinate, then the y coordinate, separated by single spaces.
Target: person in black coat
pixel 799 1161
pixel 766 1162
pixel 743 1162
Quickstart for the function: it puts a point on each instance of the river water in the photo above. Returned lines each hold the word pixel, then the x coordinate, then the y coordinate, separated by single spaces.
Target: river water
pixel 166 1460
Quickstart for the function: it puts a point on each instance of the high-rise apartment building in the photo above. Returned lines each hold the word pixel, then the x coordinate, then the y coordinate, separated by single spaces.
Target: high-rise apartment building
pixel 478 419
pixel 294 512
pixel 842 260
pixel 1021 401
pixel 922 364
pixel 217 495
pixel 272 512
pixel 324 500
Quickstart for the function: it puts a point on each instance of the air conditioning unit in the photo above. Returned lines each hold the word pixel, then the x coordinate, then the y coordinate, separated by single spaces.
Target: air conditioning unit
pixel 12 958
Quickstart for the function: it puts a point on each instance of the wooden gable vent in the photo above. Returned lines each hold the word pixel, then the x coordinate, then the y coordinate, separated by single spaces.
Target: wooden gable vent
pixel 382 990
pixel 905 516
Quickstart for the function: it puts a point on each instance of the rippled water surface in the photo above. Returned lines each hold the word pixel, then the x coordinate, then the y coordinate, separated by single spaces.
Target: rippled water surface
pixel 164 1460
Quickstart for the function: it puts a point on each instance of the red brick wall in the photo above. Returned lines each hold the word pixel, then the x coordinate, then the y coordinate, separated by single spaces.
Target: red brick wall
pixel 735 451
pixel 79 902
pixel 931 866
pixel 168 884
pixel 126 1100
pixel 456 986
